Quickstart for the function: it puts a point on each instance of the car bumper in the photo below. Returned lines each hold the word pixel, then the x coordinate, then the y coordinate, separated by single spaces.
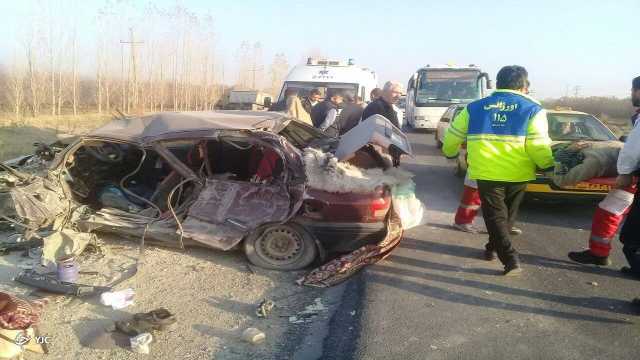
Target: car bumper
pixel 344 237
pixel 425 124
pixel 545 188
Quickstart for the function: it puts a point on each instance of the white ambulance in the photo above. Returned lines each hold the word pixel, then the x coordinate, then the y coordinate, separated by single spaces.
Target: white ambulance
pixel 323 74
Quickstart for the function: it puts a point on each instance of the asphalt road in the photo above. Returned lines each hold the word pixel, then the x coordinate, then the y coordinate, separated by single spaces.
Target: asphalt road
pixel 435 298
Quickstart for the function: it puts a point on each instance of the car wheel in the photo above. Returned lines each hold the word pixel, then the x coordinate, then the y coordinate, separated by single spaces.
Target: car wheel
pixel 438 142
pixel 282 247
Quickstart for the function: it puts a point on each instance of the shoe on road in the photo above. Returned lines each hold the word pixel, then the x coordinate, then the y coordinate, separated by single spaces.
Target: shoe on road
pixel 515 231
pixel 629 272
pixel 489 255
pixel 466 228
pixel 586 257
pixel 512 270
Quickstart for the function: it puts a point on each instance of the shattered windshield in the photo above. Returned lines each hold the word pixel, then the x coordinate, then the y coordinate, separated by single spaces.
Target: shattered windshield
pixel 447 85
pixel 571 127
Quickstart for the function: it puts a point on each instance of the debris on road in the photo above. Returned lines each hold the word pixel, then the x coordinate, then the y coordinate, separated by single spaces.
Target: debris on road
pixel 68 269
pixel 265 308
pixel 593 283
pixel 154 320
pixel 253 336
pixel 64 244
pixel 53 285
pixel 341 268
pixel 140 343
pixel 16 242
pixel 309 312
pixel 117 299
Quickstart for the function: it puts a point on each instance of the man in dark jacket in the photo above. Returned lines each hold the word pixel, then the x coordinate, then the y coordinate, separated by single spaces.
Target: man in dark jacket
pixel 375 94
pixel 325 114
pixel 384 104
pixel 350 114
pixel 312 100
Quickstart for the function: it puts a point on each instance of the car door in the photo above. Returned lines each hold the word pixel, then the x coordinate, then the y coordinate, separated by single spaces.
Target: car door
pixel 224 211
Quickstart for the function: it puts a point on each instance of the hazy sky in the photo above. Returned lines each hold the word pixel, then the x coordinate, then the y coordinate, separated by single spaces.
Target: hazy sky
pixel 563 43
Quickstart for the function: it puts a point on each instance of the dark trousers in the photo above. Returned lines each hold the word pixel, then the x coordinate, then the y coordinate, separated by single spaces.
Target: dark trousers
pixel 630 235
pixel 500 204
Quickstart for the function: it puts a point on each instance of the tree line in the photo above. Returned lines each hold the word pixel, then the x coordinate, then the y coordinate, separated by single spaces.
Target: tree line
pixel 136 61
pixel 603 107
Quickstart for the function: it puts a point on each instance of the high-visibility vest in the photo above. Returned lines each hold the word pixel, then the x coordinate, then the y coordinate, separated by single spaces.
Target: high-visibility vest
pixel 507 137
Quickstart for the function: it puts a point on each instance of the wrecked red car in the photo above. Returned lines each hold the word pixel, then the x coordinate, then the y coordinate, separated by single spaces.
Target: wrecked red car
pixel 224 180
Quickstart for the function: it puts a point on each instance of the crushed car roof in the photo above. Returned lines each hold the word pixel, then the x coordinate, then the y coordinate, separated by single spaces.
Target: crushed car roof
pixel 166 125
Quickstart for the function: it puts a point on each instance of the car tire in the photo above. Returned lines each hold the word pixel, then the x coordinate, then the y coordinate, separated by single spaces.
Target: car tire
pixel 283 247
pixel 438 142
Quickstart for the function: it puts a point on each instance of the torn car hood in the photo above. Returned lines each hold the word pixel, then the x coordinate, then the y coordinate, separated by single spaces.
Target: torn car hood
pixel 376 129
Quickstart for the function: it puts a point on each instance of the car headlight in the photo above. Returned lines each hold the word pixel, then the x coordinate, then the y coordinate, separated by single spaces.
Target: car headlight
pixel 418 117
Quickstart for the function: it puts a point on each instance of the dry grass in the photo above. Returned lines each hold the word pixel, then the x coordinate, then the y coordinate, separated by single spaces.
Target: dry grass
pixel 17 138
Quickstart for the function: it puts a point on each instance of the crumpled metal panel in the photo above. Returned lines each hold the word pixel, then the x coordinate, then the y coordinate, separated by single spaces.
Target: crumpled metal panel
pixel 218 236
pixel 34 203
pixel 233 209
pixel 248 204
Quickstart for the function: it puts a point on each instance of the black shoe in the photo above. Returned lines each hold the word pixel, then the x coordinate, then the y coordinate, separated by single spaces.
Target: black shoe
pixel 629 272
pixel 586 257
pixel 512 270
pixel 489 255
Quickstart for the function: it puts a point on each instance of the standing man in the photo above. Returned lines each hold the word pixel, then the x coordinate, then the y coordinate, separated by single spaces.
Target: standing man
pixel 295 109
pixel 351 113
pixel 375 94
pixel 383 105
pixel 507 139
pixel 324 114
pixel 311 100
pixel 618 202
pixel 628 164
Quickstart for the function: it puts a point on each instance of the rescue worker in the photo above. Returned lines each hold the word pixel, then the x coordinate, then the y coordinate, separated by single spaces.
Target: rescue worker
pixel 383 105
pixel 468 209
pixel 611 211
pixel 507 139
pixel 311 100
pixel 324 114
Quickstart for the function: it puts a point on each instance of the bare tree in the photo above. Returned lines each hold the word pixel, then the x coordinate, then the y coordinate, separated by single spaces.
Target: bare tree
pixel 74 81
pixel 15 90
pixel 175 67
pixel 278 70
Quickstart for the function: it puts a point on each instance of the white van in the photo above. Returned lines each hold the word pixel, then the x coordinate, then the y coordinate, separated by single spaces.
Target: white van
pixel 323 74
pixel 432 89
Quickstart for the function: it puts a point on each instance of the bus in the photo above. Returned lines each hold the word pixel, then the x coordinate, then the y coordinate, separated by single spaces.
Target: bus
pixel 432 89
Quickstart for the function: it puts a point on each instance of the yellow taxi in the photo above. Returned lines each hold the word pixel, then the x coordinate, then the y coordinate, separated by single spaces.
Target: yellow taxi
pixel 566 125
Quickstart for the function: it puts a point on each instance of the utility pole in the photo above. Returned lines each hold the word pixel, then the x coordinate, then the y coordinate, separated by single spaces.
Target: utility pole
pixel 124 93
pixel 576 90
pixel 133 70
pixel 253 70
